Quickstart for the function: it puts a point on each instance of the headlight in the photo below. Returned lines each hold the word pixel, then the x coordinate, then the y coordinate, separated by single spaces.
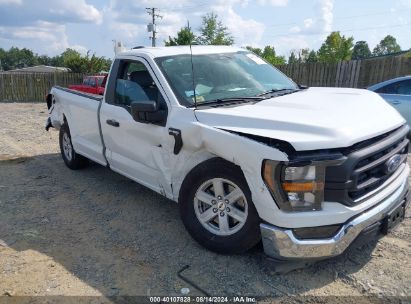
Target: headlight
pixel 295 187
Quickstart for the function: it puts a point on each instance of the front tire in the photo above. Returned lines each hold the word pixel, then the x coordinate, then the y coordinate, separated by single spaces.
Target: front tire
pixel 72 160
pixel 216 208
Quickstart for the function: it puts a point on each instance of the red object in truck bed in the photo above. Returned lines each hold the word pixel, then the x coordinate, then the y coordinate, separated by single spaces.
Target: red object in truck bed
pixel 92 85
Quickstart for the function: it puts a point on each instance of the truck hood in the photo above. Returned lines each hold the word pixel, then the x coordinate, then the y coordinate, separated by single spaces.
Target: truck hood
pixel 316 118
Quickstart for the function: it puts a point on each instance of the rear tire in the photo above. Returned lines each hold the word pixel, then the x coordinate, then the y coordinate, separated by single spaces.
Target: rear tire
pixel 216 208
pixel 72 160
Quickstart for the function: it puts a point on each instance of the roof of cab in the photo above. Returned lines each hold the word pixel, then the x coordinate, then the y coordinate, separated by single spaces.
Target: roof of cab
pixel 180 50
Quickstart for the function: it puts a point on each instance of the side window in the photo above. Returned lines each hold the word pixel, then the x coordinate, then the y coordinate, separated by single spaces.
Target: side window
pixel 92 82
pixel 401 87
pixel 134 83
pixel 404 87
pixel 388 89
pixel 85 81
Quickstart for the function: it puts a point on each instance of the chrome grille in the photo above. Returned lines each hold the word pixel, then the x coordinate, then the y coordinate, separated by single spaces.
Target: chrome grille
pixel 365 167
pixel 370 173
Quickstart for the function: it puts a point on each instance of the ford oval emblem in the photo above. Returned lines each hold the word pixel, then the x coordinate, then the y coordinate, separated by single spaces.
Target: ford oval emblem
pixel 393 163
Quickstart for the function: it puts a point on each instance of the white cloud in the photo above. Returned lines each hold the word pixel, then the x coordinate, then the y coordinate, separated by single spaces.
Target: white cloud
pixel 311 32
pixel 45 37
pixel 51 37
pixel 79 48
pixel 308 22
pixel 326 14
pixel 42 23
pixel 26 12
pixel 406 3
pixel 273 2
pixel 322 24
pixel 77 9
pixel 245 31
pixel 131 17
pixel 295 29
pixel 285 45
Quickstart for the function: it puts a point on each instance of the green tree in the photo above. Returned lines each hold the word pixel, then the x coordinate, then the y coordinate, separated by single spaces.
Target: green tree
pixel 312 56
pixel 292 58
pixel 361 50
pixel 212 31
pixel 57 61
pixel 2 58
pixel 74 61
pixel 336 48
pixel 387 46
pixel 95 64
pixel 270 56
pixel 84 64
pixel 268 53
pixel 44 60
pixel 184 37
pixel 257 51
pixel 18 58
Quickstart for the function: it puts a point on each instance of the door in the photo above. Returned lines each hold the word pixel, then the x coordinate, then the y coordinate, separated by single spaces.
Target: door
pixel 398 94
pixel 134 149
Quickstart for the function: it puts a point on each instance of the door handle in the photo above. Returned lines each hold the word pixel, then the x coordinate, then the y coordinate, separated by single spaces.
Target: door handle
pixel 113 122
pixel 396 102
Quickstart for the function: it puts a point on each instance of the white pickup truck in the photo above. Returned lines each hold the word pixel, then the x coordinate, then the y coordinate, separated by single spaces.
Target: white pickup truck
pixel 247 154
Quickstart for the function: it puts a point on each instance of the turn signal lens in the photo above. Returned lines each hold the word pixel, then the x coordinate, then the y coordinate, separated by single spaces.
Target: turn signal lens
pixel 268 174
pixel 303 187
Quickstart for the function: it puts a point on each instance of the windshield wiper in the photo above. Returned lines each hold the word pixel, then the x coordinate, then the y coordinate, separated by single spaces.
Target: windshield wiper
pixel 244 99
pixel 281 91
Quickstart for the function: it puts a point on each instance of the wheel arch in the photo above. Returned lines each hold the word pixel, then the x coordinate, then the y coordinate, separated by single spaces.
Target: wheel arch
pixel 207 142
pixel 204 163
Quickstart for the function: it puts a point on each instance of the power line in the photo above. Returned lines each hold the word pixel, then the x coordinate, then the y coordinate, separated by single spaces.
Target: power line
pixel 152 12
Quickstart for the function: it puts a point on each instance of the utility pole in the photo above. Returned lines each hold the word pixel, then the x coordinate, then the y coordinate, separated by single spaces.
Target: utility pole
pixel 152 27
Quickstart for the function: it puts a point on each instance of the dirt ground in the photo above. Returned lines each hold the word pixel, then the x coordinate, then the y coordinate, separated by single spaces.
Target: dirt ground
pixel 95 233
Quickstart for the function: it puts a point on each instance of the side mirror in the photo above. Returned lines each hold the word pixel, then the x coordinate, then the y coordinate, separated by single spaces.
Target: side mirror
pixel 147 112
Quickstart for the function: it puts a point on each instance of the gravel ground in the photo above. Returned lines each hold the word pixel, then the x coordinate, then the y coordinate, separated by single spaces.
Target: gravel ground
pixel 95 233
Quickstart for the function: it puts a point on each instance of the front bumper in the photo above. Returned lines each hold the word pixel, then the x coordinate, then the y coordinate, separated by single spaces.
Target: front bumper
pixel 281 244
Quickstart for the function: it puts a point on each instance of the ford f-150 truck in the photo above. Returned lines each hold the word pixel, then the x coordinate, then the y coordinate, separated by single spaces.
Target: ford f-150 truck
pixel 248 154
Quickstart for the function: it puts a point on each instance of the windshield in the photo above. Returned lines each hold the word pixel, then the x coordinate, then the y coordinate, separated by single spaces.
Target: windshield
pixel 221 76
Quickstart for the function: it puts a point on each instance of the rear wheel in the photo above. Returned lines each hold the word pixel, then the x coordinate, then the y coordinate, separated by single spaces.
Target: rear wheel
pixel 217 209
pixel 72 160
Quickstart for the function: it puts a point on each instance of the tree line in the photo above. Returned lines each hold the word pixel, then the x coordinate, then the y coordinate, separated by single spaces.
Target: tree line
pixel 336 47
pixel 16 58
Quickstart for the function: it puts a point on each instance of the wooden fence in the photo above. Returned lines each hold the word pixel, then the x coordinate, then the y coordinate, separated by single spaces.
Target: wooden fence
pixel 351 74
pixel 31 87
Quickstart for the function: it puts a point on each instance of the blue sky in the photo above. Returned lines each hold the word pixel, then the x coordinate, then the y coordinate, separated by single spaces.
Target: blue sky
pixel 49 27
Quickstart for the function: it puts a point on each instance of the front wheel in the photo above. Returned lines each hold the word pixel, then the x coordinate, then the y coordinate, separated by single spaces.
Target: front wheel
pixel 217 209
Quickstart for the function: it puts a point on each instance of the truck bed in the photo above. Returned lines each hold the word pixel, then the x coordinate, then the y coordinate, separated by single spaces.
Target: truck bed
pixel 81 110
